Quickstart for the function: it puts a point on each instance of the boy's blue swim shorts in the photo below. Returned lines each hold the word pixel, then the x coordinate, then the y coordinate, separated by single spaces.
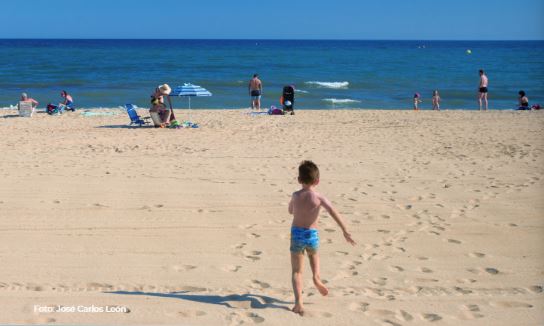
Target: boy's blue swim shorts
pixel 304 239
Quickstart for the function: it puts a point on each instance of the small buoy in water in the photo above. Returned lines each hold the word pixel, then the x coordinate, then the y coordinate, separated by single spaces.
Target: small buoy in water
pixel 469 51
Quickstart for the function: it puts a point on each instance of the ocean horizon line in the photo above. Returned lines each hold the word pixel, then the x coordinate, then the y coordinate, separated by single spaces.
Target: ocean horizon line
pixel 267 39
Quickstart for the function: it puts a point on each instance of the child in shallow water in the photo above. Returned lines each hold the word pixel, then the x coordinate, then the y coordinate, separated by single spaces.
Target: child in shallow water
pixel 417 100
pixel 305 206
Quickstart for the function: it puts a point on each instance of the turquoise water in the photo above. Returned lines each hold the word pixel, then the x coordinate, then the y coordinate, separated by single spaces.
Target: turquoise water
pixel 327 74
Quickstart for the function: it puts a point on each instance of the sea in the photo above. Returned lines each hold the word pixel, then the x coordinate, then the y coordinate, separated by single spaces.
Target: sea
pixel 327 74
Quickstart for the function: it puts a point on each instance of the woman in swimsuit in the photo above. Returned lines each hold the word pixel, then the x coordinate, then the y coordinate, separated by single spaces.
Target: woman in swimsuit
pixel 68 102
pixel 523 101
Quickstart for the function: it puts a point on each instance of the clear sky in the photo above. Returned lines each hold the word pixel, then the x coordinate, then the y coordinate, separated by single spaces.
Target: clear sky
pixel 278 19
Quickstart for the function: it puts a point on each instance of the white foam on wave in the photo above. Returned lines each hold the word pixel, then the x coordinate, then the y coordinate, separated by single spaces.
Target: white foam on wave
pixel 301 91
pixel 340 100
pixel 335 85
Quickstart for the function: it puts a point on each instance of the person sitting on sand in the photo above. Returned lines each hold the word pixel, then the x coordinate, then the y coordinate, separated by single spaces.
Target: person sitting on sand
pixel 26 98
pixel 68 103
pixel 158 106
pixel 305 205
pixel 523 101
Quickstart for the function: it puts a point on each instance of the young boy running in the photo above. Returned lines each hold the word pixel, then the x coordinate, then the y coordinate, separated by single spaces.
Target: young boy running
pixel 305 206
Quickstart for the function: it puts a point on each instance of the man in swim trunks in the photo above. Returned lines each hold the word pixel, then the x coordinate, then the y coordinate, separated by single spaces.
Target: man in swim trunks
pixel 255 90
pixel 482 91
pixel 305 206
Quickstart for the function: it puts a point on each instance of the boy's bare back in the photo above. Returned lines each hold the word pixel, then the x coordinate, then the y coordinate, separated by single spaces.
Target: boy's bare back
pixel 305 206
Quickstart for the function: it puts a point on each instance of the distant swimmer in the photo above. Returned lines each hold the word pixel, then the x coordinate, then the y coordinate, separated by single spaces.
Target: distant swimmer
pixel 255 91
pixel 482 91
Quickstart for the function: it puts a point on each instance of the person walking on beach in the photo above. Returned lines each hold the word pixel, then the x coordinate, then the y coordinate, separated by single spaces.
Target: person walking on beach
pixel 482 95
pixel 255 90
pixel 436 100
pixel 305 205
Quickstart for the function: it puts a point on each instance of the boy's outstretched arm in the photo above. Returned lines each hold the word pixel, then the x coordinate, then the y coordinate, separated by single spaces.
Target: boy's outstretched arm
pixel 328 207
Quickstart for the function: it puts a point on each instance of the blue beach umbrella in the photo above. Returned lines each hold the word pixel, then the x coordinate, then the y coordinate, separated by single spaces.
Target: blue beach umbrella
pixel 189 90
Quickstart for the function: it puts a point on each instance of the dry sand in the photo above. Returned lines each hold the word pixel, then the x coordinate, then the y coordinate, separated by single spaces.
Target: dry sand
pixel 191 227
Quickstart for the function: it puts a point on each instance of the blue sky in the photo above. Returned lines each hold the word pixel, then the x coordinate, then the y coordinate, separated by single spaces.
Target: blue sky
pixel 298 19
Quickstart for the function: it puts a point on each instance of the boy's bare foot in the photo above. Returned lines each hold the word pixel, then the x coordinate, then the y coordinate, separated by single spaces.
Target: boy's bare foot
pixel 298 309
pixel 321 287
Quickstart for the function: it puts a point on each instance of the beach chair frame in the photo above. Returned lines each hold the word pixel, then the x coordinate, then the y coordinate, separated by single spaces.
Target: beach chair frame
pixel 26 109
pixel 135 119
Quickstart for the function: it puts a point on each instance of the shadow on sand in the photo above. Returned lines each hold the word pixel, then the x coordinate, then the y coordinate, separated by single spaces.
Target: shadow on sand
pixel 125 127
pixel 255 301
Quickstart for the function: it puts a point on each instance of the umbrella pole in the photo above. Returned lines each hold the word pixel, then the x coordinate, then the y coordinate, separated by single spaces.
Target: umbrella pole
pixel 189 108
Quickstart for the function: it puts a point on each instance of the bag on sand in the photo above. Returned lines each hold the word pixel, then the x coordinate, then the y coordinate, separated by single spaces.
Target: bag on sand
pixel 52 109
pixel 275 111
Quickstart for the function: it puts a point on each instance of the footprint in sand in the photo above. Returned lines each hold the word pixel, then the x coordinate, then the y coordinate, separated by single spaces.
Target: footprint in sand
pixel 476 255
pixel 426 270
pixel 191 313
pixel 189 288
pixel 396 269
pixel 240 245
pixel 260 285
pixel 380 313
pixel 253 255
pixel 236 318
pixel 454 241
pixel 472 311
pixel 247 226
pixel 99 205
pixel 431 317
pixel 536 288
pixel 358 306
pixel 253 235
pixel 183 268
pixel 231 268
pixel 403 316
pixel 511 304
pixel 492 270
pixel 380 281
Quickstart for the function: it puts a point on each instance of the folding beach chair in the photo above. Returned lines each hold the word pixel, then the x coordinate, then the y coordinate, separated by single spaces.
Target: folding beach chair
pixel 134 117
pixel 26 109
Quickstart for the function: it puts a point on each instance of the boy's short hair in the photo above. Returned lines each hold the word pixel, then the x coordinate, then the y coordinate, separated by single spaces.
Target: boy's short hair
pixel 308 173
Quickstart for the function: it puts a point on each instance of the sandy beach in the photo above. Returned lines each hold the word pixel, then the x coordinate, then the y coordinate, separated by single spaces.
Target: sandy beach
pixel 190 226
